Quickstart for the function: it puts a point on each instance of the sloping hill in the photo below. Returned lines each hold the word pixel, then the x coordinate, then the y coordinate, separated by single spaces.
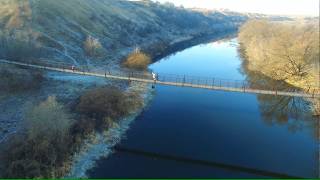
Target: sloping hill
pixel 98 31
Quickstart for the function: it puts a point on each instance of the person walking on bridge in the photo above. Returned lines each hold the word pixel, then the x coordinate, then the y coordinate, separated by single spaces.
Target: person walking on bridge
pixel 73 68
pixel 154 76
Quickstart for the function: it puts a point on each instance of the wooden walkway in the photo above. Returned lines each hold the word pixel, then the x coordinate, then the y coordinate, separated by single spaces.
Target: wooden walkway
pixel 182 83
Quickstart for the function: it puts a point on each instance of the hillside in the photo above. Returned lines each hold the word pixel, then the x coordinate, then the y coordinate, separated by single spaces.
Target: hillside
pixel 99 32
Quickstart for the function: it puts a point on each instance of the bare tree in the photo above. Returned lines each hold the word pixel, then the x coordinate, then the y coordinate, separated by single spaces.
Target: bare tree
pixel 282 51
pixel 48 119
pixel 93 47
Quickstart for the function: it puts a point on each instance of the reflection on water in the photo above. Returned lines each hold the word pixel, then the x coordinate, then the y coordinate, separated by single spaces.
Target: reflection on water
pixel 293 112
pixel 282 109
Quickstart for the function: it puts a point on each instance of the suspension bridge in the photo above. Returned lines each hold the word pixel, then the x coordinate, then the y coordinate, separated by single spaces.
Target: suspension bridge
pixel 170 80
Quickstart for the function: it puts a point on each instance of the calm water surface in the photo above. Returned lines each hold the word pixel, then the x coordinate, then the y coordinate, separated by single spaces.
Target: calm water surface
pixel 189 132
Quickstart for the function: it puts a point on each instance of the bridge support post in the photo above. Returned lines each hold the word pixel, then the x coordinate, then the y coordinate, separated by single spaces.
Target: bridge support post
pixel 308 89
pixel 184 80
pixel 212 82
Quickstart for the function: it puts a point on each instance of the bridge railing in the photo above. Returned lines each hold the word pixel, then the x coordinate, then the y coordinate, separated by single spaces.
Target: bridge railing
pixel 229 83
pixel 202 81
pixel 181 80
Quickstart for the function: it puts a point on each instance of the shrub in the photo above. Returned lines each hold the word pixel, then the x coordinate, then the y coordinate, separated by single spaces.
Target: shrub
pixel 17 79
pixel 48 119
pixel 102 105
pixel 52 136
pixel 93 47
pixel 137 60
pixel 45 147
pixel 19 47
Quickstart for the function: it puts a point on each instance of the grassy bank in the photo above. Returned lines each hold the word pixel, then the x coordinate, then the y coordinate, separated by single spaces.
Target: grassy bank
pixel 84 32
pixel 55 132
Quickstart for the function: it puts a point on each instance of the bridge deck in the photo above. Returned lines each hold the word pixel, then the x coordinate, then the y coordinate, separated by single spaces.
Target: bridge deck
pixel 315 94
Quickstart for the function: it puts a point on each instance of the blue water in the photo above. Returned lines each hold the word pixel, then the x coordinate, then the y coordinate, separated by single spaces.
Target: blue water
pixel 218 60
pixel 212 126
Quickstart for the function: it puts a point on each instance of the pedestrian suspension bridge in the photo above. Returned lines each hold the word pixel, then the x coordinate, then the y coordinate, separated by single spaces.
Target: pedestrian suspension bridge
pixel 170 80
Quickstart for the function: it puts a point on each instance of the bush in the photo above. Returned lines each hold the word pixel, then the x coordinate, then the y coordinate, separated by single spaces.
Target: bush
pixel 93 47
pixel 17 79
pixel 48 119
pixel 18 46
pixel 45 147
pixel 52 136
pixel 103 105
pixel 137 60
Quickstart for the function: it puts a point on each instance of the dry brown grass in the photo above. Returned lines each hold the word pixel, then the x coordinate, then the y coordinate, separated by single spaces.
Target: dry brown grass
pixel 45 147
pixel 15 13
pixel 137 60
pixel 52 135
pixel 103 104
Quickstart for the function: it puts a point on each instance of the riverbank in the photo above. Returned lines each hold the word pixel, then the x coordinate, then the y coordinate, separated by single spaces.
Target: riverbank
pixel 101 144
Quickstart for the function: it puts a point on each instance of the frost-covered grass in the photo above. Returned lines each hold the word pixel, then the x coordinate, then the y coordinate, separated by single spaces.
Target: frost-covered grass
pixel 61 27
pixel 14 79
pixel 102 144
pixel 84 129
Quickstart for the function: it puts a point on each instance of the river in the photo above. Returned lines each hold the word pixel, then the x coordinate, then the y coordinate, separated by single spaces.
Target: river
pixel 199 133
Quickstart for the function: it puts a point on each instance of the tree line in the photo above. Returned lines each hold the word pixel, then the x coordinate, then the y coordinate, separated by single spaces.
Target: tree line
pixel 282 50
